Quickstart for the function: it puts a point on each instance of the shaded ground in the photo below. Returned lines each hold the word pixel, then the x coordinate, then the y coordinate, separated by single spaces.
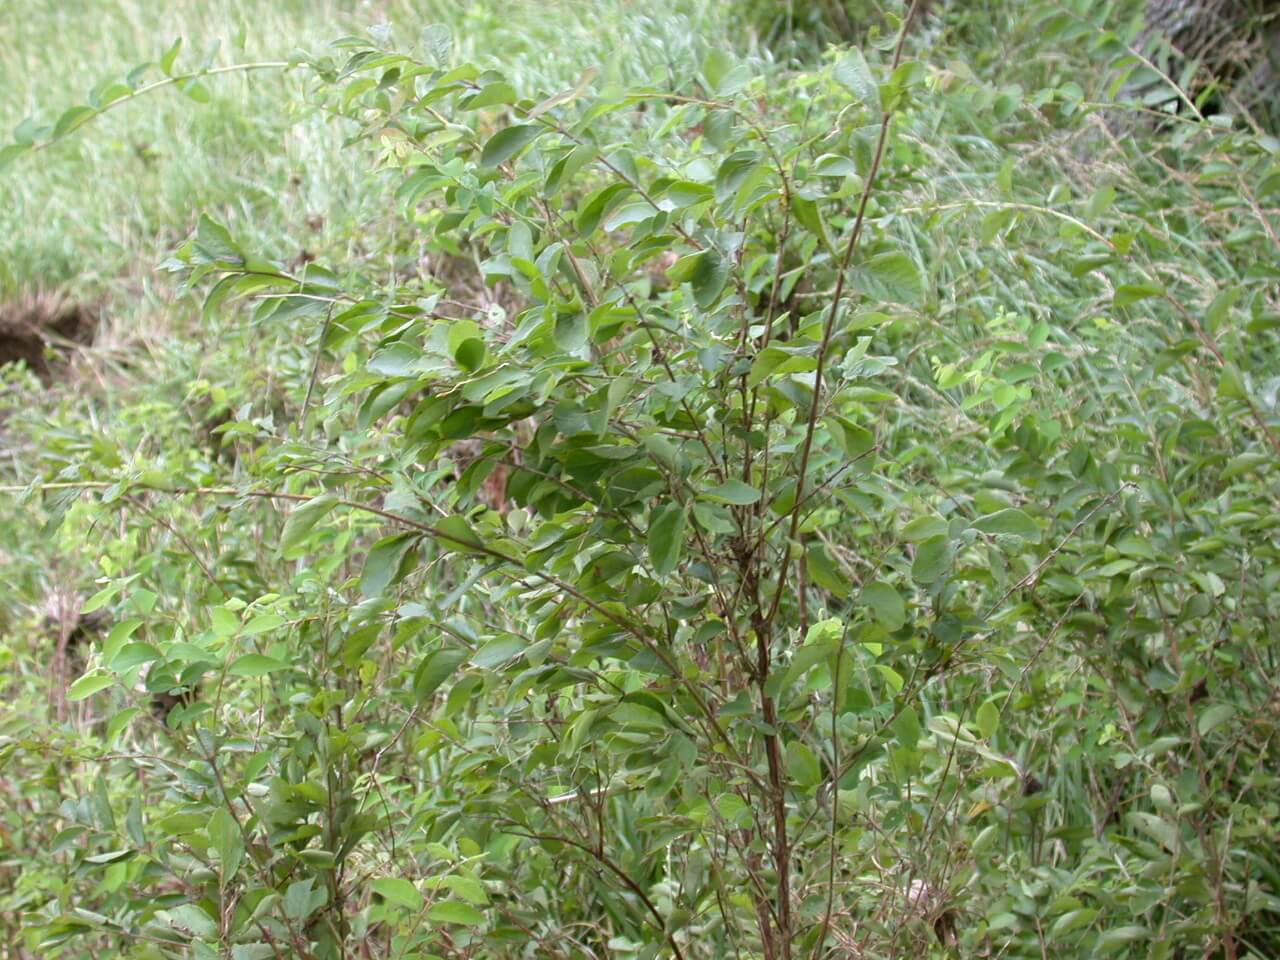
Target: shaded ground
pixel 38 330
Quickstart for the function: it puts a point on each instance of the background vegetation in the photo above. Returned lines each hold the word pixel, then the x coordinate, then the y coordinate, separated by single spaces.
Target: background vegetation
pixel 573 480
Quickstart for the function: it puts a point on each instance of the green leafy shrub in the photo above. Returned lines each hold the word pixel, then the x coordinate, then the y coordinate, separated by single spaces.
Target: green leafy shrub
pixel 765 512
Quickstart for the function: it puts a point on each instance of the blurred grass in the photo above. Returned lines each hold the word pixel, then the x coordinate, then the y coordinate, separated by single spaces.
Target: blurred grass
pixel 113 198
pixel 95 214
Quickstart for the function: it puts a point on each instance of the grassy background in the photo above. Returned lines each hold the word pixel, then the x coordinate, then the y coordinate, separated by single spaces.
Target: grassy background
pixel 98 211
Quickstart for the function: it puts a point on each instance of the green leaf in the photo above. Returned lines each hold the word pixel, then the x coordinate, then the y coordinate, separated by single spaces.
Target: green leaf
pixel 996 222
pixel 684 268
pixel 11 152
pixel 398 891
pixel 1115 567
pixel 891 276
pixel 923 528
pixel 497 651
pixel 111 856
pixel 383 565
pixel 666 537
pixel 932 559
pixel 255 665
pixel 119 721
pixel 1128 293
pixel 628 214
pixel 821 642
pixel 709 279
pixel 214 241
pixel 197 91
pixel 1118 937
pixel 1073 920
pixel 397 359
pixel 451 911
pixel 436 667
pixel 193 920
pixel 891 677
pixel 437 43
pixel 1010 521
pixel 170 56
pixel 1161 831
pixel 72 118
pixel 117 638
pixel 263 623
pixel 101 598
pixel 224 834
pixel 705 271
pixel 509 141
pixel 303 518
pixel 834 165
pixel 776 361
pixel 886 604
pixel 598 204
pixel 685 193
pixel 1162 798
pixel 1007 101
pixel 469 354
pixel 106 92
pixel 469 888
pixel 1214 717
pixel 809 215
pixel 733 491
pixel 493 94
pixel 89 684
pixel 715 67
pixel 1220 307
pixel 298 899
pixel 133 655
pixel 823 571
pixel 734 171
pixel 454 533
pixel 572 331
pixel 802 765
pixel 906 726
pixel 987 719
pixel 1231 384
pixel 852 71
pixel 461 331
pixel 856 441
pixel 648 701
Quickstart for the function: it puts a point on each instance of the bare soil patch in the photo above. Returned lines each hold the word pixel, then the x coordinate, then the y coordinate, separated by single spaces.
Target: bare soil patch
pixel 40 330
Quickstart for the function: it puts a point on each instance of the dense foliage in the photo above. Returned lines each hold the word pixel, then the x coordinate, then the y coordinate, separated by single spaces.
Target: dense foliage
pixel 713 507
